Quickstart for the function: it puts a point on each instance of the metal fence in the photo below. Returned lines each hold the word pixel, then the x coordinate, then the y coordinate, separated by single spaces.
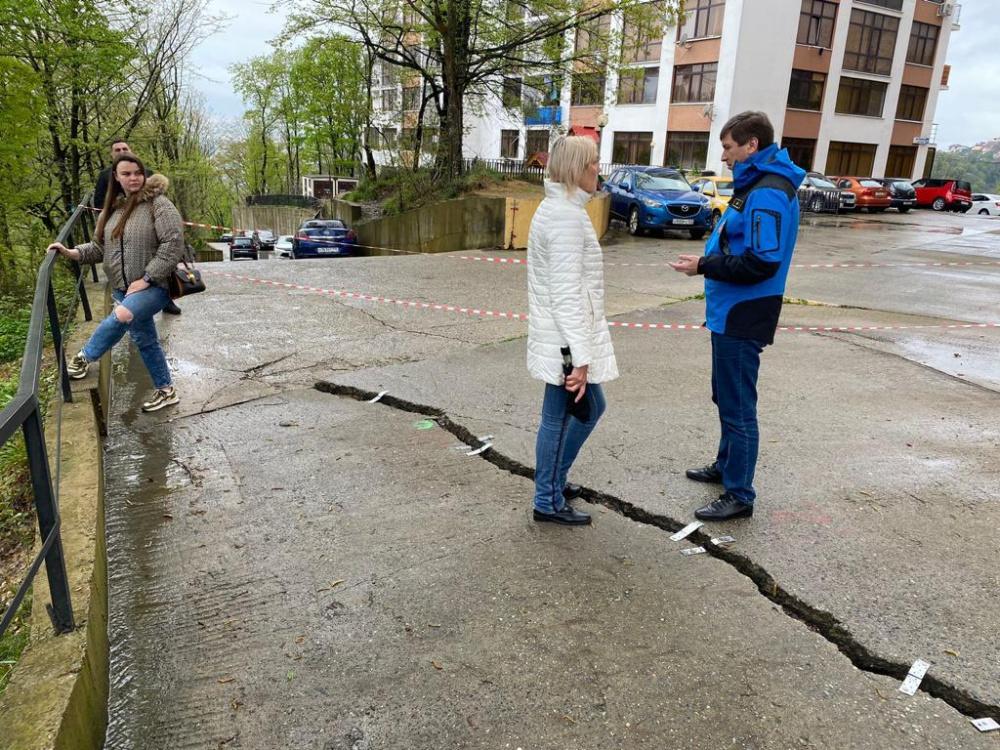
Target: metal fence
pixel 508 168
pixel 24 413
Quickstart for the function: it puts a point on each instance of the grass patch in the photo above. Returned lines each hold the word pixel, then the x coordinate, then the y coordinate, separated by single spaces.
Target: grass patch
pixel 14 642
pixel 404 189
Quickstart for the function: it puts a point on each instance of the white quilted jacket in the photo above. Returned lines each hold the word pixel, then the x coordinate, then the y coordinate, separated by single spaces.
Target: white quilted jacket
pixel 566 290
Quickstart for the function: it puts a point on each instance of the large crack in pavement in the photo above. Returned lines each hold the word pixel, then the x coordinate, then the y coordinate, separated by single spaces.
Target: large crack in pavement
pixel 819 621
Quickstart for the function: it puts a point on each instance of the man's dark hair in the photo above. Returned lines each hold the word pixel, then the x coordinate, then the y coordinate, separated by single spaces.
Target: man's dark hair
pixel 118 140
pixel 747 125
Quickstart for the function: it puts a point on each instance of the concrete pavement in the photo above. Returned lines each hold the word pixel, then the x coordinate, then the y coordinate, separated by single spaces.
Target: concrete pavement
pixel 295 568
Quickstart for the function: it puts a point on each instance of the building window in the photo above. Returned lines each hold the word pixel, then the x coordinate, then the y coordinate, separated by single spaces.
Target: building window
pixel 816 22
pixel 871 40
pixel 801 151
pixel 701 18
pixel 509 142
pixel 694 83
pixel 593 35
pixel 389 100
pixel 632 148
pixel 923 43
pixel 858 96
pixel 890 4
pixel 389 77
pixel 538 142
pixel 686 150
pixel 588 89
pixel 912 101
pixel 411 98
pixel 542 91
pixel 642 34
pixel 638 85
pixel 901 161
pixel 512 92
pixel 806 90
pixel 854 159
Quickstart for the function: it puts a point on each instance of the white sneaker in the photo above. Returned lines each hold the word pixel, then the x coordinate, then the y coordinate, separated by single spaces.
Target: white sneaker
pixel 161 397
pixel 78 366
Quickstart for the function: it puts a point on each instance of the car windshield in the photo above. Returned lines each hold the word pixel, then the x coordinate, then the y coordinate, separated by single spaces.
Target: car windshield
pixel 242 241
pixel 724 188
pixel 901 185
pixel 660 181
pixel 871 183
pixel 819 182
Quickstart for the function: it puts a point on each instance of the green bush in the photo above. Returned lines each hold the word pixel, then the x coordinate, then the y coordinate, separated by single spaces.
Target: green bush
pixel 400 190
pixel 13 333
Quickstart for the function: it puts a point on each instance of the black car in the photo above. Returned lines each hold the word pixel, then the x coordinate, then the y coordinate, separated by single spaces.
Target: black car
pixel 244 247
pixel 901 191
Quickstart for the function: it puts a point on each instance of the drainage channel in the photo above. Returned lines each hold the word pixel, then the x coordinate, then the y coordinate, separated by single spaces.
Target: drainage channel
pixel 821 622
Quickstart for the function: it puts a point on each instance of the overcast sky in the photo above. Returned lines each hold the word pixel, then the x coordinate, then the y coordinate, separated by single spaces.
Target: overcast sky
pixel 968 113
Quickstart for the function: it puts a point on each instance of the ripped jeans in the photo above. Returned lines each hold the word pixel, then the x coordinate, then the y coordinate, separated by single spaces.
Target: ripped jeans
pixel 143 306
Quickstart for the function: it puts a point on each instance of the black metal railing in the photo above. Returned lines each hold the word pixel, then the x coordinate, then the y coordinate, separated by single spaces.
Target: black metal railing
pixel 24 413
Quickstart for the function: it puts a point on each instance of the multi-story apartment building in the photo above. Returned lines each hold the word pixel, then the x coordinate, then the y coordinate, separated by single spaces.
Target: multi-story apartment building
pixel 850 85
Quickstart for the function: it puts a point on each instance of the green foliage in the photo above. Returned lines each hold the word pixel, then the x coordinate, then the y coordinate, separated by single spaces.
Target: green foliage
pixel 13 332
pixel 402 190
pixel 981 169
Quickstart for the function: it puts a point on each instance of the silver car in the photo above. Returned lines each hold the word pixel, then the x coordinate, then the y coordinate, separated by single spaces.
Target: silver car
pixel 817 194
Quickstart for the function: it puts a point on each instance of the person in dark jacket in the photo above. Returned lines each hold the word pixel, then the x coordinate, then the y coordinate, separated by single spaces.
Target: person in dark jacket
pixel 101 193
pixel 745 266
pixel 140 238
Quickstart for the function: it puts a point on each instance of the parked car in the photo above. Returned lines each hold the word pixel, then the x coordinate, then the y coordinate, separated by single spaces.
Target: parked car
pixel 818 194
pixel 266 238
pixel 901 193
pixel 718 190
pixel 225 237
pixel 319 238
pixel 244 247
pixel 868 193
pixel 283 247
pixel 657 198
pixel 944 195
pixel 986 204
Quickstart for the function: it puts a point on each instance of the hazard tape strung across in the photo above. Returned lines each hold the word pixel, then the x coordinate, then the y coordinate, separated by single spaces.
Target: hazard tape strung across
pixel 483 313
pixel 524 262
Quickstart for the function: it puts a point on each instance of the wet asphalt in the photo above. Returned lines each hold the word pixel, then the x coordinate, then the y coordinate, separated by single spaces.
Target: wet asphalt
pixel 293 568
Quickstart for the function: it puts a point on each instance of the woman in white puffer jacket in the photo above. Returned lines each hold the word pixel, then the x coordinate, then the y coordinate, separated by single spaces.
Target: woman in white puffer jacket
pixel 566 309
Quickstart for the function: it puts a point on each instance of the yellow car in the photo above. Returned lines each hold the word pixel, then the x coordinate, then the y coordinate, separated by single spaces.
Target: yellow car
pixel 718 190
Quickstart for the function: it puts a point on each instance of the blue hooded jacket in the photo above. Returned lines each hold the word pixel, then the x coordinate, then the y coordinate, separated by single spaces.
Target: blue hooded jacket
pixel 748 255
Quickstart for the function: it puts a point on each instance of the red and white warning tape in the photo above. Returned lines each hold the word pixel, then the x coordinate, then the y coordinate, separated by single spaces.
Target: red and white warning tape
pixel 524 262
pixel 484 313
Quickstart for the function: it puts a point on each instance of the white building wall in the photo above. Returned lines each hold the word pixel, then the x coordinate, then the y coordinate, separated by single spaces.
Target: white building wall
pixel 932 97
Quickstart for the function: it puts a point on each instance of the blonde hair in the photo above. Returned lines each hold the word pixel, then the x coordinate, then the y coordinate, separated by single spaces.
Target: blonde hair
pixel 569 158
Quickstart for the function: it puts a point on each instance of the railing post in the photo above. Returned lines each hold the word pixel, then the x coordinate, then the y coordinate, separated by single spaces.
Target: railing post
pixel 61 611
pixel 67 392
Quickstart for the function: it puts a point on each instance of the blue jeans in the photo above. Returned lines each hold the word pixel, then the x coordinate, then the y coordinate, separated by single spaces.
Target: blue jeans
pixel 735 364
pixel 143 306
pixel 560 437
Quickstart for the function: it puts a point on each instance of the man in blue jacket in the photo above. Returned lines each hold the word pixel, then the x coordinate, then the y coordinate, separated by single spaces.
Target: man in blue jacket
pixel 745 266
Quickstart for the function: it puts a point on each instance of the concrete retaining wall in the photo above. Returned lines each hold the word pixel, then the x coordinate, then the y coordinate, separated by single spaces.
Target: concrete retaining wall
pixel 460 224
pixel 520 211
pixel 58 695
pixel 279 219
pixel 349 213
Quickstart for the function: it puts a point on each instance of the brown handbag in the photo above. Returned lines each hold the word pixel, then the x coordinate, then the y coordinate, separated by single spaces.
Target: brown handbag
pixel 185 280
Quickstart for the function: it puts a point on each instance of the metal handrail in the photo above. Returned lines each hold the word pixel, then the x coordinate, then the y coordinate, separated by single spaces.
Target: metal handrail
pixel 24 413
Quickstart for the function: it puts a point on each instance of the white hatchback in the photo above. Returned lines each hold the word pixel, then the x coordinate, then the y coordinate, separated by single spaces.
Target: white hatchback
pixel 283 247
pixel 985 204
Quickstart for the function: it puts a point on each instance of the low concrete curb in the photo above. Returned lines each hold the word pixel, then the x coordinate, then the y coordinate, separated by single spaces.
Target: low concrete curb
pixel 58 695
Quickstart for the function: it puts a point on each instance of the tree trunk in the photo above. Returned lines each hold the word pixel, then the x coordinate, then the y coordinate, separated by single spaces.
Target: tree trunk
pixel 455 65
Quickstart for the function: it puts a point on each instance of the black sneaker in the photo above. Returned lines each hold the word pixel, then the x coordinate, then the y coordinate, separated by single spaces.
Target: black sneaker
pixel 710 474
pixel 567 516
pixel 726 507
pixel 161 397
pixel 172 308
pixel 78 366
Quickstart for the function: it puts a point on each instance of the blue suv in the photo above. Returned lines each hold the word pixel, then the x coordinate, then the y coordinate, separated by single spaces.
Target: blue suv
pixel 657 198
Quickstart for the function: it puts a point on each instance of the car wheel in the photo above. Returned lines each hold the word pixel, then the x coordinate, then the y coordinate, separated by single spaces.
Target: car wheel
pixel 633 221
pixel 938 204
pixel 984 212
pixel 878 210
pixel 816 204
pixel 697 234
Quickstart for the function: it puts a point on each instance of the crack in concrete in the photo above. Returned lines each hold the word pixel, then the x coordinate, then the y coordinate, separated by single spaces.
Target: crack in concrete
pixel 404 330
pixel 819 621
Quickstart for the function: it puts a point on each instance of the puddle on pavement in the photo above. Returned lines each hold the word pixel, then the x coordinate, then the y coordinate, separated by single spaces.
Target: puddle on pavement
pixel 973 361
pixel 139 472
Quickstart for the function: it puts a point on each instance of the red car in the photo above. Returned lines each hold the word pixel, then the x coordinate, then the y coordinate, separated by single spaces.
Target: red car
pixel 944 195
pixel 870 194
